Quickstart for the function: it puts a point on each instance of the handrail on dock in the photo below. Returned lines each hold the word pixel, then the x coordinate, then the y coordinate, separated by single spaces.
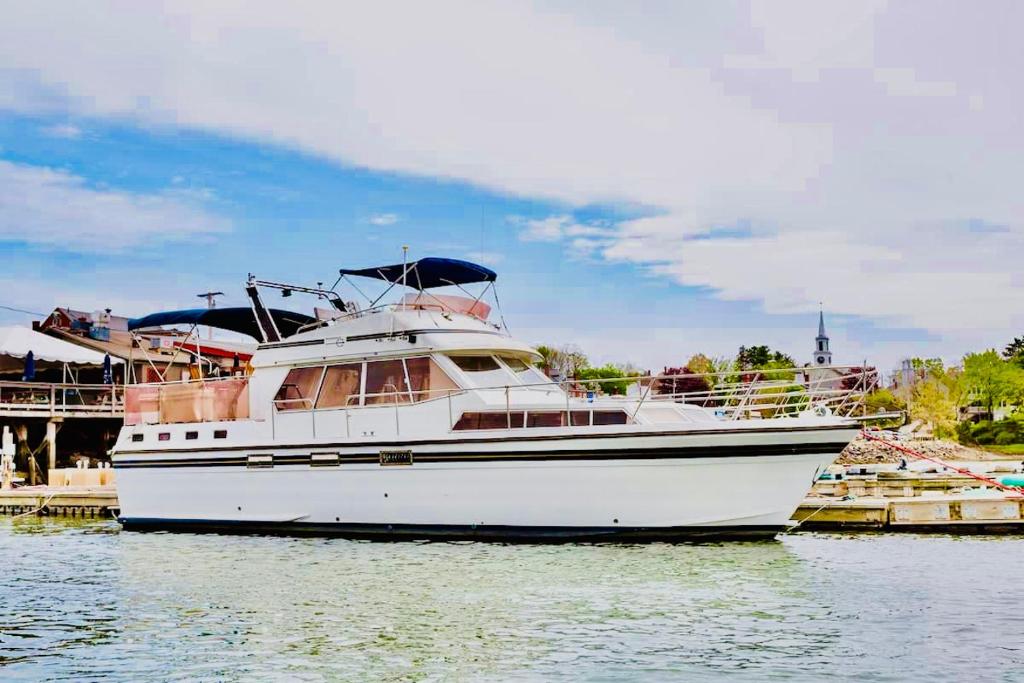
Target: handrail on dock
pixel 61 399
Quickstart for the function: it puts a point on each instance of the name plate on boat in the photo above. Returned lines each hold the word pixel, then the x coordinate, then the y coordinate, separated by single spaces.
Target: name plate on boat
pixel 395 458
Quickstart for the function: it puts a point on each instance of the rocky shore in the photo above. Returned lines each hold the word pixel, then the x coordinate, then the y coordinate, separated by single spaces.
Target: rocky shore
pixel 863 451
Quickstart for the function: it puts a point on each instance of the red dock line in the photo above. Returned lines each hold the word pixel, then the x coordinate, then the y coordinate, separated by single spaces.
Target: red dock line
pixel 903 449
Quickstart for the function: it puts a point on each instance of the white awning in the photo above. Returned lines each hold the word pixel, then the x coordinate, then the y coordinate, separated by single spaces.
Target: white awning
pixel 16 342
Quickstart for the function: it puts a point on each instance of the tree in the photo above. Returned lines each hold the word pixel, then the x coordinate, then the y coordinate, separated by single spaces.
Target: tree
pixel 761 357
pixel 682 381
pixel 882 401
pixel 563 361
pixel 934 405
pixel 988 379
pixel 605 372
pixel 933 366
pixel 1014 351
pixel 860 379
pixel 700 364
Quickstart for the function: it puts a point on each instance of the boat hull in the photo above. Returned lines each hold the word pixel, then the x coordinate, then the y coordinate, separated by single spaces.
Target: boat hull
pixel 454 532
pixel 648 488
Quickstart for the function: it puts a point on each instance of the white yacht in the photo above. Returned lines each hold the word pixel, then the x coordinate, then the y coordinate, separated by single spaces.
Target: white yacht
pixel 421 419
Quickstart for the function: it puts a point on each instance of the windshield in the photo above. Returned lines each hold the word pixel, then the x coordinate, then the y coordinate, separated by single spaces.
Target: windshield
pixel 484 371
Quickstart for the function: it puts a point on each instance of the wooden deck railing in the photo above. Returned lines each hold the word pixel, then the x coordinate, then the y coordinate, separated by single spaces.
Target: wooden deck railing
pixel 43 399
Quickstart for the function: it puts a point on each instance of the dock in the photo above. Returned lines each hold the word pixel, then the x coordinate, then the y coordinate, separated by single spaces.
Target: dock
pixel 878 497
pixel 947 513
pixel 60 501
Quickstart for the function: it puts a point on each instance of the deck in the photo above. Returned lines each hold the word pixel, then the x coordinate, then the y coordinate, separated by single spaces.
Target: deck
pixel 48 401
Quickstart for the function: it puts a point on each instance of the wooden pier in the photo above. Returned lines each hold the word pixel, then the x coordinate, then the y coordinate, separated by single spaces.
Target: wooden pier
pixel 37 411
pixel 948 513
pixel 62 501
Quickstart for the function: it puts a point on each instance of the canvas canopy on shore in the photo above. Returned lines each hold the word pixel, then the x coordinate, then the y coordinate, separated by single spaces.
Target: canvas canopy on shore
pixel 48 352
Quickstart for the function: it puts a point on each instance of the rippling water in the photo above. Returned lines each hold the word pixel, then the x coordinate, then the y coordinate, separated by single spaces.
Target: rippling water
pixel 87 602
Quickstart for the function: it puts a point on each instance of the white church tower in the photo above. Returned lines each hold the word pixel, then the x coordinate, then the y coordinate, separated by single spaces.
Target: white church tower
pixel 822 354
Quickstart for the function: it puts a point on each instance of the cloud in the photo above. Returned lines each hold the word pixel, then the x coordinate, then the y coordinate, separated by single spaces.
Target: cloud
pixel 554 228
pixel 383 219
pixel 65 131
pixel 789 152
pixel 54 208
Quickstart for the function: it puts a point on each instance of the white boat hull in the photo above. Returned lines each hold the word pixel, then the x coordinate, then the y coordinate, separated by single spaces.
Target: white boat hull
pixel 633 487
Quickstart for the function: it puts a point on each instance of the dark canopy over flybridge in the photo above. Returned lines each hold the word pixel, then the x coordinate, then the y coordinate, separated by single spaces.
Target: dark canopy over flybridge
pixel 428 273
pixel 239 320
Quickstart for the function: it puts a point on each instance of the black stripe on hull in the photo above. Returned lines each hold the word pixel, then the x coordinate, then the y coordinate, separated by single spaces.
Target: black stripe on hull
pixel 456 532
pixel 727 451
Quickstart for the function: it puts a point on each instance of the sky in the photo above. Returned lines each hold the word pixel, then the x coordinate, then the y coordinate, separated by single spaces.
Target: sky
pixel 649 180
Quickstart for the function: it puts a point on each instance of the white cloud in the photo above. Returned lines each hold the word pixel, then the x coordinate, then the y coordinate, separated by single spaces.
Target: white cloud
pixel 555 228
pixel 856 143
pixel 64 131
pixel 54 208
pixel 383 219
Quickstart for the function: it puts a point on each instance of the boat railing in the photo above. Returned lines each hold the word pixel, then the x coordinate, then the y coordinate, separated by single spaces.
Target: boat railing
pixel 731 395
pixel 783 392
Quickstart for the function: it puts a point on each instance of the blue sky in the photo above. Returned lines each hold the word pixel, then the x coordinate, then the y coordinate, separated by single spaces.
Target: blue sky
pixel 647 187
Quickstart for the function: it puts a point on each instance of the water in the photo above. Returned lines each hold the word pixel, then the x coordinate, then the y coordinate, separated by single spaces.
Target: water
pixel 85 601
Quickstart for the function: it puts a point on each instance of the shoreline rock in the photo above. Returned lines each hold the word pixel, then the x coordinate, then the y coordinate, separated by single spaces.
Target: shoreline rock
pixel 863 451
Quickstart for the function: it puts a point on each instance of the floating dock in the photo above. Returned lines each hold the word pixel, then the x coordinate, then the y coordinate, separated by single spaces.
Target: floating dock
pixel 947 513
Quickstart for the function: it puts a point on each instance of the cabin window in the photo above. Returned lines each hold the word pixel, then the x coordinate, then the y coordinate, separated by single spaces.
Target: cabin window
pixel 490 420
pixel 298 391
pixel 545 419
pixel 610 417
pixel 385 382
pixel 341 386
pixel 427 380
pixel 526 373
pixel 484 371
pixel 476 363
pixel 579 418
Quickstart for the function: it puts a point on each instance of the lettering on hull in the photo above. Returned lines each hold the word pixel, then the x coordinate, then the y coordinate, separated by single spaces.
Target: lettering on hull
pixel 391 458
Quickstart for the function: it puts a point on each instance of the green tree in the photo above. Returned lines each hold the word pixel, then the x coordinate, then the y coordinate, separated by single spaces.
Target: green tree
pixel 885 401
pixel 932 366
pixel 606 372
pixel 562 360
pixel 1014 351
pixel 987 380
pixel 934 405
pixel 700 364
pixel 762 358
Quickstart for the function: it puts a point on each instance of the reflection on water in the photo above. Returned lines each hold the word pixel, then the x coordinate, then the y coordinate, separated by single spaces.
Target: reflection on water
pixel 81 601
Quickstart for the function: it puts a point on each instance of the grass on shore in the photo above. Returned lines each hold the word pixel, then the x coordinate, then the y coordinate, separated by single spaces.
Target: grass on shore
pixel 1011 449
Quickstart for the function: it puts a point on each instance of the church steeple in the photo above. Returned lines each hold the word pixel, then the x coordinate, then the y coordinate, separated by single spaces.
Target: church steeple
pixel 822 354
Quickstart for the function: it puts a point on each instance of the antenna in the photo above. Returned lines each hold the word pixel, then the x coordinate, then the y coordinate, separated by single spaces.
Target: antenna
pixel 405 262
pixel 211 303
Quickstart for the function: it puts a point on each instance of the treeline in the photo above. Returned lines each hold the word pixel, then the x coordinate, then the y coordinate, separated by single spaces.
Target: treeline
pixel 699 373
pixel 963 401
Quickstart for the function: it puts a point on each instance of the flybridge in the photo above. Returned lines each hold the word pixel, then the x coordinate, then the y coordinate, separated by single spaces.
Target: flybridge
pixel 273 325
